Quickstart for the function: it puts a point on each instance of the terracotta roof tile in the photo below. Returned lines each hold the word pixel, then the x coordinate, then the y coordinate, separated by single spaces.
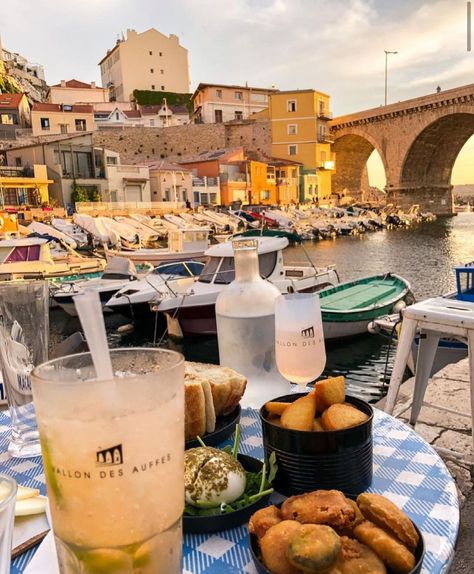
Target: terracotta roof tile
pixel 75 84
pixel 10 100
pixel 132 113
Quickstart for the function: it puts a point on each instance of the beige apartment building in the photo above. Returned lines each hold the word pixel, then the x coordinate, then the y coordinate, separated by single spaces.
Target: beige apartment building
pixel 216 103
pixel 75 92
pixel 55 119
pixel 145 61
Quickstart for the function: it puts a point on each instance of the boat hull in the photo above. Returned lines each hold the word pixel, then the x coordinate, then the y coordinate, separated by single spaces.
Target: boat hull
pixel 157 258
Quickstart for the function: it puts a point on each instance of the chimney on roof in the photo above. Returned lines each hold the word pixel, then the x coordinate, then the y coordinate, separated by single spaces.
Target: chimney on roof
pixel 92 85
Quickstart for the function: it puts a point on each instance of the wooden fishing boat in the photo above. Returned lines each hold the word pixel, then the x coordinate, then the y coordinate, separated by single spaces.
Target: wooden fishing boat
pixel 348 308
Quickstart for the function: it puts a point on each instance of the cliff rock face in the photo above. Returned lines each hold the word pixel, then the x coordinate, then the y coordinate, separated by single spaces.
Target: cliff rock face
pixel 14 80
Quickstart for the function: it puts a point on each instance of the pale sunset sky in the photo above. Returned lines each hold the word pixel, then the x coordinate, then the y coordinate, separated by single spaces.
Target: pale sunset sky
pixel 336 46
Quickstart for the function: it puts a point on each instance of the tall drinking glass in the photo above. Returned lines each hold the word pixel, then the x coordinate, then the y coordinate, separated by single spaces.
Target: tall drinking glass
pixel 300 351
pixel 113 453
pixel 24 334
pixel 7 515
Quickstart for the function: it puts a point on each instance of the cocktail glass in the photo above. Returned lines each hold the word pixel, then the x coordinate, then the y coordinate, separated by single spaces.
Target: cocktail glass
pixel 7 514
pixel 299 339
pixel 113 453
pixel 24 334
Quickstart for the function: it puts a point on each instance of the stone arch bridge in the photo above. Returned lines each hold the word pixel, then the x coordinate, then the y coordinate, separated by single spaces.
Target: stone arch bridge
pixel 418 141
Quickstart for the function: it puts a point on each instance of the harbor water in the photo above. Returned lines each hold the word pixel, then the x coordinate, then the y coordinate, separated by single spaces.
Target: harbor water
pixel 424 254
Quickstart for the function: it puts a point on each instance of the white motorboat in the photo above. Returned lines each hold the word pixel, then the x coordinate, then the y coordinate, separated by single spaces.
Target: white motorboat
pixel 118 273
pixel 194 305
pixel 183 244
pixel 95 227
pixel 71 230
pixel 43 229
pixel 133 300
pixel 31 258
pixel 145 233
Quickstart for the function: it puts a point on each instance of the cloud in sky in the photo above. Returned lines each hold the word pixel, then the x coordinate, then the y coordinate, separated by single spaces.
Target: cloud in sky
pixel 332 45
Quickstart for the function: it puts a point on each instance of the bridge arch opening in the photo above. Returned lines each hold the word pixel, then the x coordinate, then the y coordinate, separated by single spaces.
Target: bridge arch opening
pixel 353 172
pixel 430 160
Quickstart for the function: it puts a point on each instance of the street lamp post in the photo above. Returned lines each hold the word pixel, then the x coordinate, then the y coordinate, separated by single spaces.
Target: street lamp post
pixel 387 52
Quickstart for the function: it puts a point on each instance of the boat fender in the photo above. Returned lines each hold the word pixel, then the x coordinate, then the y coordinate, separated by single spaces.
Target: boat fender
pixel 125 328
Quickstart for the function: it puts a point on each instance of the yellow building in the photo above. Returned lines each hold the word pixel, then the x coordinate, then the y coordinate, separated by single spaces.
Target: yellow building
pixel 300 133
pixel 24 186
pixel 145 61
pixel 55 119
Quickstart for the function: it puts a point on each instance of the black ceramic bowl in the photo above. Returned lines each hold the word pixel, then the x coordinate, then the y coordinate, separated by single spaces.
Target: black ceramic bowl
pixel 262 569
pixel 311 460
pixel 225 427
pixel 198 524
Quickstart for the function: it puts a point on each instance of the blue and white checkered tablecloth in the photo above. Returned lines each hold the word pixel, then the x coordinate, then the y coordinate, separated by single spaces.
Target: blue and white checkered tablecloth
pixel 406 469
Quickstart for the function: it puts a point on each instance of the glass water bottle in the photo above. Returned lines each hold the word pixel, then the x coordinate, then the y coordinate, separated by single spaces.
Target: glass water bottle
pixel 245 313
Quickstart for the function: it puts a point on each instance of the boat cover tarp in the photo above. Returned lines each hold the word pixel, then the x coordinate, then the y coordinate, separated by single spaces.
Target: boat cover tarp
pixel 94 226
pixel 43 229
pixel 121 267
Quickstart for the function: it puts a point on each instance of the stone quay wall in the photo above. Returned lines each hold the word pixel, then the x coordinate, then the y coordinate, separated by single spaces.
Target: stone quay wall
pixel 175 143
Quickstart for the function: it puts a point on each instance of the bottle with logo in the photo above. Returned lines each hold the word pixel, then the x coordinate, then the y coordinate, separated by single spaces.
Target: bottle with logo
pixel 245 314
pixel 300 349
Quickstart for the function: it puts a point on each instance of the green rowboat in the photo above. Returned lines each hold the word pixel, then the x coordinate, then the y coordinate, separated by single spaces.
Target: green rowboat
pixel 348 308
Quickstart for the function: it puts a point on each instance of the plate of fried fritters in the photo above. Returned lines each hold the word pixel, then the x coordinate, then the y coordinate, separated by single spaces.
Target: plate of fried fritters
pixel 323 532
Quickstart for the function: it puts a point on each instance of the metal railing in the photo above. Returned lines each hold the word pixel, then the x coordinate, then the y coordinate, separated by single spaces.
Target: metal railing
pixel 10 171
pixel 323 115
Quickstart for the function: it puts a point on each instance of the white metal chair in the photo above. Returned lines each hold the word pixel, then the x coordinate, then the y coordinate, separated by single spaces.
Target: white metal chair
pixel 434 318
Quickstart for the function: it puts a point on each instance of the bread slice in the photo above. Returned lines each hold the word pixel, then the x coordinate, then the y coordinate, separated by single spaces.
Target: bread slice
pixel 195 410
pixel 210 412
pixel 227 386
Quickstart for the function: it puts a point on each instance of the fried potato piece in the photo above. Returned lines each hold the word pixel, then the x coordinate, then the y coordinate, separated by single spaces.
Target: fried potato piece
pixel 300 414
pixel 329 392
pixel 263 520
pixel 317 426
pixel 276 408
pixel 328 507
pixel 313 548
pixel 384 513
pixel 274 544
pixel 356 558
pixel 390 550
pixel 338 417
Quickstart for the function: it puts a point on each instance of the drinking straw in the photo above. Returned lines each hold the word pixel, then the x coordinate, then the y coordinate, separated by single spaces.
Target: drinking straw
pixel 89 309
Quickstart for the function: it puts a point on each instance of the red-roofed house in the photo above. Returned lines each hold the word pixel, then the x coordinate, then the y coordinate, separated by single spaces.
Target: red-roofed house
pixel 147 116
pixel 54 119
pixel 74 92
pixel 14 114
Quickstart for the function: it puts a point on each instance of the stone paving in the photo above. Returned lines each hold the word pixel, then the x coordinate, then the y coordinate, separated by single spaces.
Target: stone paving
pixel 450 388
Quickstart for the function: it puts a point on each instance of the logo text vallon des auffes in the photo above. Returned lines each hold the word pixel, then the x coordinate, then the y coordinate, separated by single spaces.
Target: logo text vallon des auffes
pixel 110 464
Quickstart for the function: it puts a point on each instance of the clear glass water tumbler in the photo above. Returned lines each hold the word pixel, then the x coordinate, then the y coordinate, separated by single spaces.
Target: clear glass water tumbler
pixel 24 336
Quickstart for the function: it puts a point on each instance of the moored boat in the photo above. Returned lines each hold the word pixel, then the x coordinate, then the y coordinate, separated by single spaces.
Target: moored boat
pixel 31 258
pixel 118 273
pixel 194 306
pixel 349 307
pixel 182 244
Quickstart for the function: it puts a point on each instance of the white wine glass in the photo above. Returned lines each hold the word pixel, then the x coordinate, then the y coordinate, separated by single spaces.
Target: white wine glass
pixel 299 339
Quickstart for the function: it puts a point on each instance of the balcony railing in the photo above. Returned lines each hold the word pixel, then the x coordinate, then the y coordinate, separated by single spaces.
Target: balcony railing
pixel 325 138
pixel 8 171
pixel 234 177
pixel 324 115
pixel 328 165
